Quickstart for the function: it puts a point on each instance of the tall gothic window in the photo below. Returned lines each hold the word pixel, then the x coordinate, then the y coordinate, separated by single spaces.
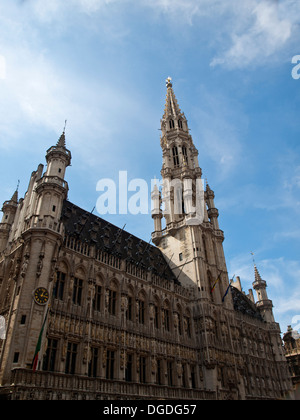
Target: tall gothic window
pixel 77 291
pixel 180 124
pixel 172 125
pixel 166 317
pixel 170 373
pixel 141 312
pixel 50 357
pixel 58 291
pixel 71 358
pixel 112 300
pixel 97 298
pixel 175 156
pixel 129 310
pixel 184 153
pixel 110 364
pixel 129 367
pixel 156 314
pixel 143 369
pixel 93 364
pixel 187 322
pixel 159 371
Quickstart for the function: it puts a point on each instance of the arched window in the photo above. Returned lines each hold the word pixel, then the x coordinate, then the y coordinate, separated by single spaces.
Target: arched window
pixel 59 287
pixel 97 301
pixel 78 286
pixel 141 308
pixel 179 124
pixel 175 156
pixel 156 313
pixel 130 305
pixel 184 154
pixel 112 298
pixel 172 125
pixel 166 316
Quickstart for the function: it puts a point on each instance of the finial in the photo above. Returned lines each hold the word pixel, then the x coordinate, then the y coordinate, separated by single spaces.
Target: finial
pixel 62 140
pixel 252 253
pixel 18 185
pixel 169 82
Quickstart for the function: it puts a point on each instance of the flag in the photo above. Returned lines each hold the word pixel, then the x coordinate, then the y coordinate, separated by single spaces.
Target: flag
pixel 215 283
pixel 39 344
pixel 223 298
pixel 227 290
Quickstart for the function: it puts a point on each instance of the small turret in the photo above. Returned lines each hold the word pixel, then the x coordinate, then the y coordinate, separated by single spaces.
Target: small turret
pixel 264 304
pixel 213 213
pixel 156 213
pixel 9 211
pixel 52 189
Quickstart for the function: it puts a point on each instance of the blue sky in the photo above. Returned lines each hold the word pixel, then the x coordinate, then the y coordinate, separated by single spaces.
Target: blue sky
pixel 102 65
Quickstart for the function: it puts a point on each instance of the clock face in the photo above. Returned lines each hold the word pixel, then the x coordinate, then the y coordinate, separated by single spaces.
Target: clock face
pixel 41 295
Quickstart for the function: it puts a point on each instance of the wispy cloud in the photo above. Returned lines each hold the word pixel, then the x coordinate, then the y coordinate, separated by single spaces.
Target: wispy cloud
pixel 249 32
pixel 266 32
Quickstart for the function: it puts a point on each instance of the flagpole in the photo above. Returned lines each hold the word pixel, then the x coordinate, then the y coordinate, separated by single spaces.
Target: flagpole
pixel 36 357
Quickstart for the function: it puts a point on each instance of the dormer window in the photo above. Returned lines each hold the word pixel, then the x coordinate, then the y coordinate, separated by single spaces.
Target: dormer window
pixel 172 125
pixel 180 124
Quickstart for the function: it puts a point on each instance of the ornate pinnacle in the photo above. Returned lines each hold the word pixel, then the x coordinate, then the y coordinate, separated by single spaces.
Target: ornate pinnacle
pixel 169 82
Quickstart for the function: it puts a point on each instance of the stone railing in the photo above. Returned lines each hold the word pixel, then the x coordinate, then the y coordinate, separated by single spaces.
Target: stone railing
pixel 40 383
pixel 46 222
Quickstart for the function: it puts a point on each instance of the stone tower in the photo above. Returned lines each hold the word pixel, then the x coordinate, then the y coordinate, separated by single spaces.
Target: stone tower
pixel 263 302
pixel 34 235
pixel 191 240
pixel 9 211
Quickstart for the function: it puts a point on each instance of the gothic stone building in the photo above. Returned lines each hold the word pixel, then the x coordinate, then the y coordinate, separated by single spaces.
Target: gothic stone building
pixel 114 317
pixel 292 353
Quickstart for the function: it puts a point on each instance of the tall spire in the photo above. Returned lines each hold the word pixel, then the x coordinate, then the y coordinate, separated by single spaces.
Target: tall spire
pixel 172 109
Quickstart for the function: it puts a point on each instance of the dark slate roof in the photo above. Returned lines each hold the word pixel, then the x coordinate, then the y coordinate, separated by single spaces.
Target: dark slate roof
pixel 93 230
pixel 244 305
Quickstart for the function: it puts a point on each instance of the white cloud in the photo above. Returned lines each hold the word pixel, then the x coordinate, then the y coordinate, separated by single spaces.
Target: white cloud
pixel 248 32
pixel 264 33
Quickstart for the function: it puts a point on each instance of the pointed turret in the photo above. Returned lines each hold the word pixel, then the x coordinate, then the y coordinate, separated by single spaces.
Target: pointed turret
pixel 52 189
pixel 264 304
pixel 172 112
pixel 9 211
pixel 62 141
pixel 58 157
